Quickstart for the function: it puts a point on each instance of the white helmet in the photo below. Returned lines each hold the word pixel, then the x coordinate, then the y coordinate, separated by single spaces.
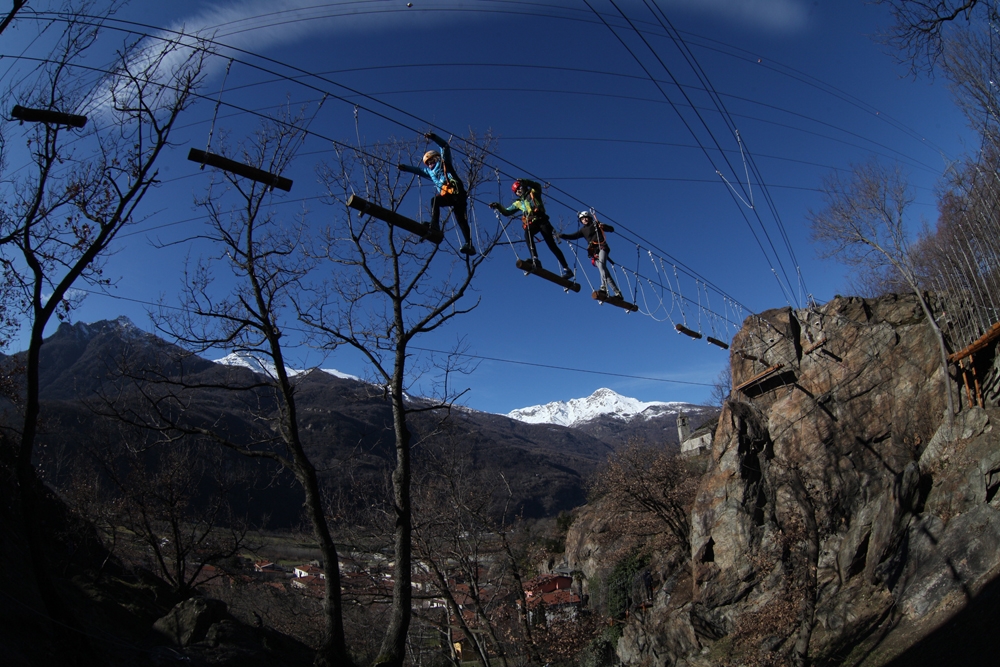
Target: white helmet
pixel 585 217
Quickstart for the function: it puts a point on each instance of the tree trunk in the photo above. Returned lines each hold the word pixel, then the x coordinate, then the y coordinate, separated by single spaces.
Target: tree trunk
pixel 74 644
pixel 950 416
pixel 394 644
pixel 333 651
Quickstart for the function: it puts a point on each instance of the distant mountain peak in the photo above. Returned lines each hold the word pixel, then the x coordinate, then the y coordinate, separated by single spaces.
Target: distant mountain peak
pixel 244 359
pixel 603 403
pixel 122 326
pixel 259 363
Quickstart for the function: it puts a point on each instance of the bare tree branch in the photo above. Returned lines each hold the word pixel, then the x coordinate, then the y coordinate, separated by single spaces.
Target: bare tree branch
pixel 917 34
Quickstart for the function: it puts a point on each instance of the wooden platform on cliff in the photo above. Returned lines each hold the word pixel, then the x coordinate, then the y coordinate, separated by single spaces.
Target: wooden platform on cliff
pixel 991 335
pixel 770 378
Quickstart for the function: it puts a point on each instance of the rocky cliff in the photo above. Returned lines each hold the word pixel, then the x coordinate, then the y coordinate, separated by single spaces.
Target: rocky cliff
pixel 842 520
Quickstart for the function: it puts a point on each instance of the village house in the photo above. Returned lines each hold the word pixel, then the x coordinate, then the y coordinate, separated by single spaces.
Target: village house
pixel 546 583
pixel 309 585
pixel 556 607
pixel 264 566
pixel 309 570
pixel 550 600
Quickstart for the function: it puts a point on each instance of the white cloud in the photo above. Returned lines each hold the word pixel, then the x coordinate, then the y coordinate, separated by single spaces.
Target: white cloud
pixel 259 25
pixel 774 15
pixel 255 26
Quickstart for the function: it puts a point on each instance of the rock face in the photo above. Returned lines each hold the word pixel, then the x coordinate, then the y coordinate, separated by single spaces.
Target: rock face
pixel 190 621
pixel 842 520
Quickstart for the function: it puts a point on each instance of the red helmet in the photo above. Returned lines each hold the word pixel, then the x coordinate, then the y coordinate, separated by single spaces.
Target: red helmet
pixel 515 186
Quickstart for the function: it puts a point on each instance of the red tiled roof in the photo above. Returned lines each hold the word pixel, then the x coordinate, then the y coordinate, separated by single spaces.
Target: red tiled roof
pixel 555 599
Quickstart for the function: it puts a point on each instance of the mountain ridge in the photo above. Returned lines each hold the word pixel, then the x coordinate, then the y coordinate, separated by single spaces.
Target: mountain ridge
pixel 602 403
pixel 345 423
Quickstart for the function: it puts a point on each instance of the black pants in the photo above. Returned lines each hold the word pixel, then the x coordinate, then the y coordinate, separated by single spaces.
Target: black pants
pixel 459 203
pixel 543 227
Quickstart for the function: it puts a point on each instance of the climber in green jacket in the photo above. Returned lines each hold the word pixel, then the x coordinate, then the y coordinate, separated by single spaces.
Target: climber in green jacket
pixel 534 220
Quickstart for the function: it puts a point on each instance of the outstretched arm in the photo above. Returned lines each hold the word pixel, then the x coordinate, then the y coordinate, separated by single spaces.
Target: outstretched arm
pixel 436 139
pixel 531 185
pixel 509 211
pixel 419 171
pixel 445 149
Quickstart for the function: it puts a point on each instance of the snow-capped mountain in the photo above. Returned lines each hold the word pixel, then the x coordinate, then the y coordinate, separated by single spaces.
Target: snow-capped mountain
pixel 260 364
pixel 602 403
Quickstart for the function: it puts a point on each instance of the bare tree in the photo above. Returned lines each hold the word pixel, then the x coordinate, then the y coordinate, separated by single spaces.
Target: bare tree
pixel 461 526
pixel 267 259
pixel 958 256
pixel 79 188
pixel 722 387
pixel 18 4
pixel 169 506
pixel 863 224
pixel 654 485
pixel 271 263
pixel 917 34
pixel 387 288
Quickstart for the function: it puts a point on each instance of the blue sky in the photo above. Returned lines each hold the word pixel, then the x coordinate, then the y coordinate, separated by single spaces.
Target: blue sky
pixel 596 100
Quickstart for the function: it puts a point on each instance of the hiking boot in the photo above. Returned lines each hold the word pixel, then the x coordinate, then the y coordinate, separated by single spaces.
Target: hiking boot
pixel 567 273
pixel 467 249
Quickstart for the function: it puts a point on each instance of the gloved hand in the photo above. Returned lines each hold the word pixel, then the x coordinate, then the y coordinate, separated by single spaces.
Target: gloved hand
pixel 494 205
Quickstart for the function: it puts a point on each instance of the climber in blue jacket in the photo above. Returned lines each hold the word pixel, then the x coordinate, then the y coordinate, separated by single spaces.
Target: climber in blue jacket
pixel 438 168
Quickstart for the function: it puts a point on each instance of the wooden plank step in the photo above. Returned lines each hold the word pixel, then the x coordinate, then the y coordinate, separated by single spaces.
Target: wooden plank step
pixel 28 115
pixel 687 332
pixel 604 297
pixel 528 266
pixel 240 169
pixel 718 343
pixel 421 229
